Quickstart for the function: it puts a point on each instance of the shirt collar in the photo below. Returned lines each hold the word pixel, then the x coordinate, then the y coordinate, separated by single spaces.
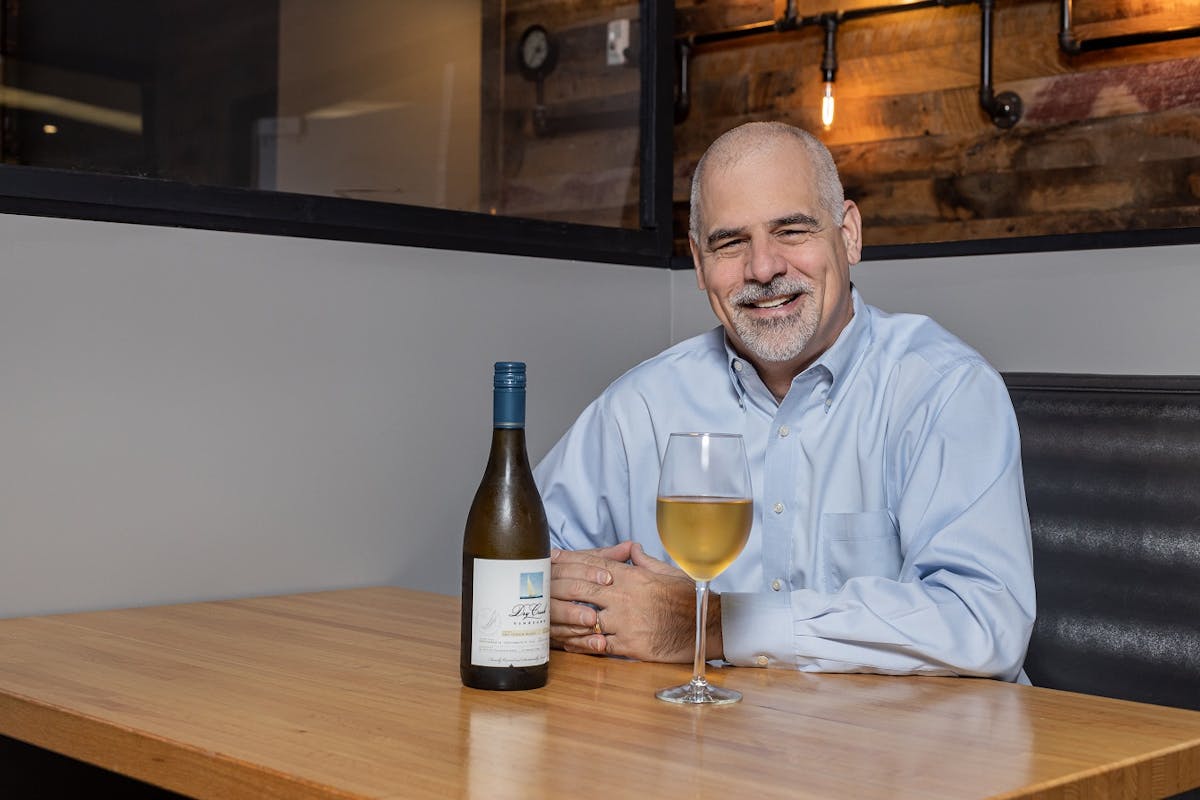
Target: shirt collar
pixel 838 361
pixel 736 367
pixel 847 350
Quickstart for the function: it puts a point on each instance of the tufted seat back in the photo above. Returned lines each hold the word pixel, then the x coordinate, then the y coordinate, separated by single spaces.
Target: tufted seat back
pixel 1112 477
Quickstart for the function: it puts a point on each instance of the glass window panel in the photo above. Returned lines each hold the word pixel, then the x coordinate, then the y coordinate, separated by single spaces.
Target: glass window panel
pixel 393 101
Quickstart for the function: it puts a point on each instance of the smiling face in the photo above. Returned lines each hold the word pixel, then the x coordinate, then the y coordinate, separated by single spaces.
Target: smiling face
pixel 772 258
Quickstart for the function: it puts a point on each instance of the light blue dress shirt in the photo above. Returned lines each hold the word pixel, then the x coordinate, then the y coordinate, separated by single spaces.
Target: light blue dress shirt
pixel 890 528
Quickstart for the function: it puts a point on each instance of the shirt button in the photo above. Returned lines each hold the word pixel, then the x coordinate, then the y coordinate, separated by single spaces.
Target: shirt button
pixel 776 585
pixel 762 661
pixel 737 366
pixel 783 431
pixel 778 508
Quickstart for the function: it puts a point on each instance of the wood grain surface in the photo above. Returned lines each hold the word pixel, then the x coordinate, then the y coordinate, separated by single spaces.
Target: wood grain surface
pixel 908 85
pixel 356 694
pixel 1107 141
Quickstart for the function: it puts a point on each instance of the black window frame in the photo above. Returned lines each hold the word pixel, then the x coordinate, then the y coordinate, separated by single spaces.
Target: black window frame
pixel 42 191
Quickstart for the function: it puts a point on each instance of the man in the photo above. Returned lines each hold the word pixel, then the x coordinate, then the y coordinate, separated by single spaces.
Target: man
pixel 890 533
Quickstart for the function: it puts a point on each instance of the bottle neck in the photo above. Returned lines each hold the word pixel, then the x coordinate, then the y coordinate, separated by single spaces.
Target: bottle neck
pixel 508 460
pixel 508 408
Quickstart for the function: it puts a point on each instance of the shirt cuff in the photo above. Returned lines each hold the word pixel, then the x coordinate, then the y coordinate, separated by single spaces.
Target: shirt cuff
pixel 756 629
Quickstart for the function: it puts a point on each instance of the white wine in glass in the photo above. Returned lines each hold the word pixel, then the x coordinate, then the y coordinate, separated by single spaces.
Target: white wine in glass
pixel 704 515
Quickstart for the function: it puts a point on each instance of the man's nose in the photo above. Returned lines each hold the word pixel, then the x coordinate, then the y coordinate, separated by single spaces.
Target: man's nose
pixel 765 262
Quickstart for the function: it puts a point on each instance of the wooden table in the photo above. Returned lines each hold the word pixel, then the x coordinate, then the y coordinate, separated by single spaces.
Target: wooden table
pixel 356 694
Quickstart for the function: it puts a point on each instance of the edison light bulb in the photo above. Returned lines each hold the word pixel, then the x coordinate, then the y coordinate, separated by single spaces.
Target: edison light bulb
pixel 827 105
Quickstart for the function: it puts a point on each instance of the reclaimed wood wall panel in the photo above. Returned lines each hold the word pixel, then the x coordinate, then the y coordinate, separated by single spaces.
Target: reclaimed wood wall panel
pixel 1110 140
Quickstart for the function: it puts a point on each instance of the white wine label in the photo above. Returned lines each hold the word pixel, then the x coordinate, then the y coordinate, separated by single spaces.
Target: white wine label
pixel 510 622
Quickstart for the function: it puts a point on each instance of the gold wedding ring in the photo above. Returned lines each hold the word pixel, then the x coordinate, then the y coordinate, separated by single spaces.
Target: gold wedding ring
pixel 596 628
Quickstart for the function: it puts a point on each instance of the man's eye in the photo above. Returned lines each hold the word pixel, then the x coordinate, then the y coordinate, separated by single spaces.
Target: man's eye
pixel 793 232
pixel 729 244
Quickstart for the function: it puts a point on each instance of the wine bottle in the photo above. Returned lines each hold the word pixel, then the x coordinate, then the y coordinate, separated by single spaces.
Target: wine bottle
pixel 505 640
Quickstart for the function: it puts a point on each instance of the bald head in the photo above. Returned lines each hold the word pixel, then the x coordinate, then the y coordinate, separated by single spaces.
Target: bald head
pixel 733 145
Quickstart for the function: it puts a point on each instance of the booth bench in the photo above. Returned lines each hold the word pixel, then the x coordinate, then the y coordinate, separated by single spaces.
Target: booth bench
pixel 1112 478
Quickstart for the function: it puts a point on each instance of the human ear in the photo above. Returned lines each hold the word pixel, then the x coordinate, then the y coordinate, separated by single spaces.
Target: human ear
pixel 852 232
pixel 696 263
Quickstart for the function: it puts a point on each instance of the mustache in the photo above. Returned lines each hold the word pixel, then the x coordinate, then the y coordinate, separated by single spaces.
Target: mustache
pixel 778 287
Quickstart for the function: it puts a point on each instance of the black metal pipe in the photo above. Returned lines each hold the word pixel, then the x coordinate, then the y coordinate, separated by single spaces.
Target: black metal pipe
pixel 1004 108
pixel 986 97
pixel 683 98
pixel 1066 39
pixel 874 11
pixel 790 22
pixel 1145 37
pixel 829 60
pixel 1072 46
pixel 740 32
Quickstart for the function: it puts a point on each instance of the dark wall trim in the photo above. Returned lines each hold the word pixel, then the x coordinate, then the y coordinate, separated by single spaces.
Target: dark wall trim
pixel 1036 244
pixel 1071 382
pixel 111 198
pixel 1107 240
pixel 45 192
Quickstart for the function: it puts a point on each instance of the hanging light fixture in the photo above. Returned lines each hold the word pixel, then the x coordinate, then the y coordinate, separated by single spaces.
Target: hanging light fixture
pixel 829 69
pixel 1003 108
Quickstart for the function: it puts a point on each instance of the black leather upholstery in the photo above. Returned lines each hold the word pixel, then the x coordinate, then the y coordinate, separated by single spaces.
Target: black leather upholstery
pixel 1112 476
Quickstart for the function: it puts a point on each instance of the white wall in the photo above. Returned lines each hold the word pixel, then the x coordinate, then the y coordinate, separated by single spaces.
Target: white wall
pixel 1125 311
pixel 193 414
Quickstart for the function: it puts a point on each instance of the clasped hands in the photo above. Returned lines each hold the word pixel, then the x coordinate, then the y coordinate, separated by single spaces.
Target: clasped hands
pixel 638 606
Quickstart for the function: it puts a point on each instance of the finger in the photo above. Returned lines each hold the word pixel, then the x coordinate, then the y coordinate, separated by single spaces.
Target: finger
pixel 604 558
pixel 578 570
pixel 612 646
pixel 563 632
pixel 617 552
pixel 593 643
pixel 578 591
pixel 565 612
pixel 641 558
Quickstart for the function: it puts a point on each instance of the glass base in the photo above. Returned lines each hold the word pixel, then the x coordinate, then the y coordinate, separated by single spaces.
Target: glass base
pixel 700 693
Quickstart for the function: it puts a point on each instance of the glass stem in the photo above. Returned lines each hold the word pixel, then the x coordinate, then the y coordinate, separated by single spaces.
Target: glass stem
pixel 698 679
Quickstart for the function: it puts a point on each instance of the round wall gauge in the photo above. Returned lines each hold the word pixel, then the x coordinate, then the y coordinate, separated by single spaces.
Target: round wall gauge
pixel 535 52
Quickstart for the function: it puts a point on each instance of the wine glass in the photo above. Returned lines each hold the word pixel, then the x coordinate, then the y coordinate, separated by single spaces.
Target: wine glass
pixel 704 515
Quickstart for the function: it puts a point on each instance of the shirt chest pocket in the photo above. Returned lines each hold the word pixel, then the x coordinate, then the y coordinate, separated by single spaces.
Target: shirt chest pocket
pixel 860 544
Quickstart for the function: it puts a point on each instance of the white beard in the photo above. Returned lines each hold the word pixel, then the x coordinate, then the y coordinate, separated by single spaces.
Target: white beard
pixel 780 338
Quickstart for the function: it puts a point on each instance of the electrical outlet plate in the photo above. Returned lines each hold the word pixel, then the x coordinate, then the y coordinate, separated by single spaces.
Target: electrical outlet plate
pixel 616 53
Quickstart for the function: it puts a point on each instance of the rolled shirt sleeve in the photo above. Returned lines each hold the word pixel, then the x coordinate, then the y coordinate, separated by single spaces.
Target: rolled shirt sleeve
pixel 963 602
